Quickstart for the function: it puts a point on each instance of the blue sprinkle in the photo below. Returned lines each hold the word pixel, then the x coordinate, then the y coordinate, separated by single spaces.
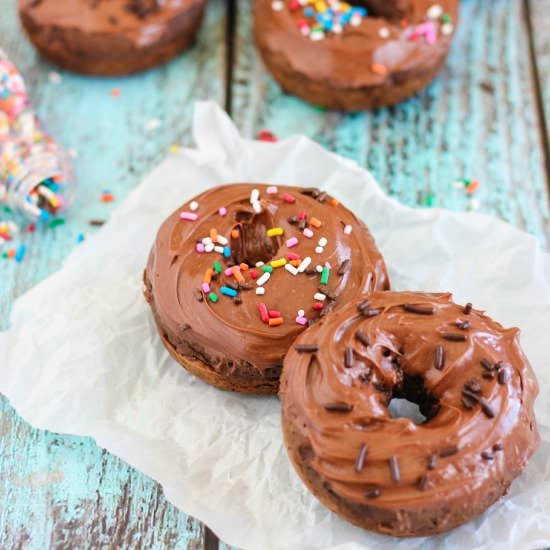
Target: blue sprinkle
pixel 20 253
pixel 45 215
pixel 228 291
pixel 80 238
pixel 309 12
pixel 226 251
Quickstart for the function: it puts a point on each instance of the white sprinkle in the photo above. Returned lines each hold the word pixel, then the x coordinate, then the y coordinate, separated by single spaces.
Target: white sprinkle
pixel 304 264
pixel 271 190
pixel 277 5
pixel 257 207
pixel 337 29
pixel 319 249
pixel 222 240
pixel 152 124
pixel 218 249
pixel 207 240
pixel 54 77
pixel 301 313
pixel 355 21
pixel 435 12
pixel 319 269
pixel 323 242
pixel 458 184
pixel 447 29
pixel 259 264
pixel 194 205
pixel 348 229
pixel 317 36
pixel 291 269
pixel 308 233
pixel 263 279
pixel 319 297
pixel 260 290
pixel 474 204
pixel 384 32
pixel 209 247
pixel 254 196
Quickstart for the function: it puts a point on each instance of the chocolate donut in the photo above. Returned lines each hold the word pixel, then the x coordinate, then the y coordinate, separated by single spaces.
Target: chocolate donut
pixel 372 54
pixel 467 374
pixel 233 278
pixel 110 37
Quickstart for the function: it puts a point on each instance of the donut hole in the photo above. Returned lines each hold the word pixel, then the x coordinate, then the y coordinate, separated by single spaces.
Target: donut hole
pixel 410 399
pixel 252 245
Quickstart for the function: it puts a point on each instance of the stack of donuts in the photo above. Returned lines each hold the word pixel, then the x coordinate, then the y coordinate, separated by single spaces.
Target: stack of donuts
pixel 343 55
pixel 265 289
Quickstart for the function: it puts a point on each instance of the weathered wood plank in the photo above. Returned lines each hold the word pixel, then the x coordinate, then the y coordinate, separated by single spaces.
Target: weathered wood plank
pixel 478 120
pixel 539 12
pixel 60 491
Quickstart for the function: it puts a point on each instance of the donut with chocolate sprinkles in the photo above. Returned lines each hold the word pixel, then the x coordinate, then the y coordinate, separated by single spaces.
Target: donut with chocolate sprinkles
pixel 432 476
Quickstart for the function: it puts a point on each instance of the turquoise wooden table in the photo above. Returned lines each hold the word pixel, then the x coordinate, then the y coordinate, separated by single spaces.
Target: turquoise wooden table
pixel 485 118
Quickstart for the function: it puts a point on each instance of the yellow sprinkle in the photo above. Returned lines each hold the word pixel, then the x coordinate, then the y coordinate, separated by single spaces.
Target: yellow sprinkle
pixel 278 263
pixel 174 148
pixel 275 232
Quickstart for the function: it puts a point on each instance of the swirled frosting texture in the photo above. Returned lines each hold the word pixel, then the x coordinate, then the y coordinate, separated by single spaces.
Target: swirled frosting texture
pixel 231 338
pixel 466 371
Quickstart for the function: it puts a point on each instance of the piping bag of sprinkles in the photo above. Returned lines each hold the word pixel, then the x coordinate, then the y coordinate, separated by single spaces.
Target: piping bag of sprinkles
pixel 36 177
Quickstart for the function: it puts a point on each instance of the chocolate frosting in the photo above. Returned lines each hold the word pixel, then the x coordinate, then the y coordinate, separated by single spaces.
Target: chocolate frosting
pixel 141 22
pixel 346 60
pixel 467 373
pixel 230 337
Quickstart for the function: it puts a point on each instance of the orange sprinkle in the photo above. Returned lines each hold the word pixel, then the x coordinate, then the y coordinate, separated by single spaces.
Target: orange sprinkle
pixel 295 263
pixel 244 267
pixel 404 23
pixel 472 187
pixel 276 322
pixel 208 275
pixel 315 222
pixel 379 69
pixel 334 202
pixel 235 233
pixel 11 253
pixel 115 92
pixel 107 197
pixel 214 235
pixel 237 274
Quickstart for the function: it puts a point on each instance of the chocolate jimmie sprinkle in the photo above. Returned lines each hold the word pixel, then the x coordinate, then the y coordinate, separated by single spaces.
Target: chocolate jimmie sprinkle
pixel 418 308
pixel 423 482
pixel 198 295
pixel 503 376
pixel 487 455
pixel 348 358
pixel 373 493
pixel 343 267
pixel 486 364
pixel 363 305
pixel 362 337
pixel 371 312
pixel 360 462
pixel 463 325
pixel 448 451
pixel 454 336
pixel 306 348
pixel 439 358
pixel 394 469
pixel 338 407
pixel 432 461
pixel 468 308
pixel 487 409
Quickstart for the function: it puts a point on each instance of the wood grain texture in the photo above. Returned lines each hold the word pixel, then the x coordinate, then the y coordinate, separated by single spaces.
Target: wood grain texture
pixel 478 120
pixel 61 491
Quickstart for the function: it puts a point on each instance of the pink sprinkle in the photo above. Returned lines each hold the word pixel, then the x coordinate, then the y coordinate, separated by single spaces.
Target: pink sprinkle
pixel 347 230
pixel 205 288
pixel 302 215
pixel 293 241
pixel 291 256
pixel 222 211
pixel 327 264
pixel 253 274
pixel 301 320
pixel 308 233
pixel 228 272
pixel 271 190
pixel 318 305
pixel 188 216
pixel 200 248
pixel 288 198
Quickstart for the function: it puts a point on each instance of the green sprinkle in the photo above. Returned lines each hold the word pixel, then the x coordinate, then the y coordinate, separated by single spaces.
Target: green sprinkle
pixel 217 267
pixel 7 209
pixel 213 297
pixel 324 275
pixel 446 18
pixel 57 221
pixel 430 200
pixel 267 269
pixel 5 255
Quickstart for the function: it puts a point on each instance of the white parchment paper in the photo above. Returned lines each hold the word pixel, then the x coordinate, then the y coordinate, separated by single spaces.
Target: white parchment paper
pixel 82 355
